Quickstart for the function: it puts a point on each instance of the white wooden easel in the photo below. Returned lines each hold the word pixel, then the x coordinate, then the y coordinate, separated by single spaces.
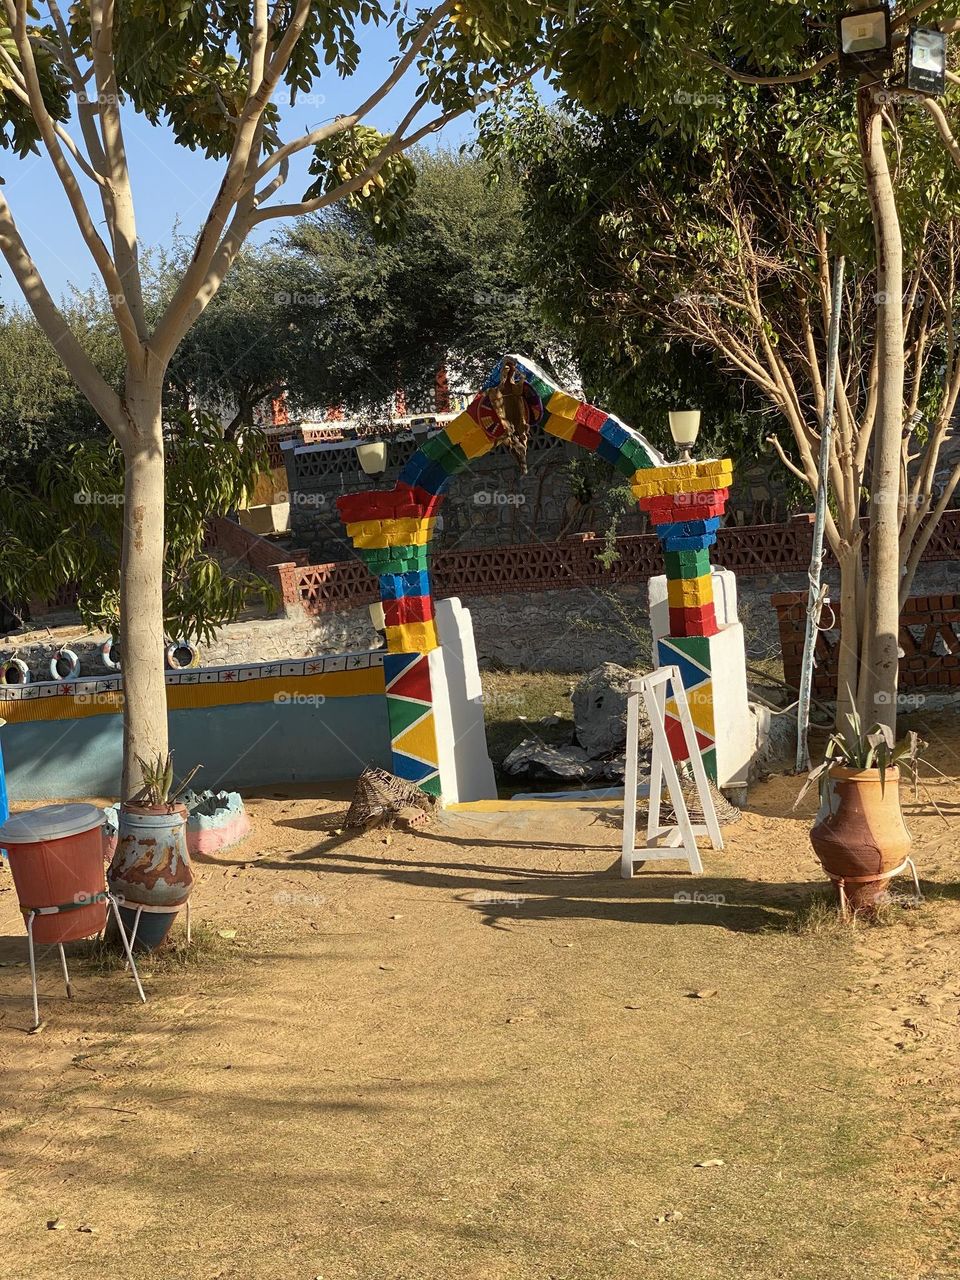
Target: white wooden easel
pixel 673 842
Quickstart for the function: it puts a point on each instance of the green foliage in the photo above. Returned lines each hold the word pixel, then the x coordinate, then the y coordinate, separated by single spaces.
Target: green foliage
pixel 18 128
pixel 447 291
pixel 158 782
pixel 68 529
pixel 384 196
pixel 41 409
pixel 856 748
pixel 254 341
pixel 651 222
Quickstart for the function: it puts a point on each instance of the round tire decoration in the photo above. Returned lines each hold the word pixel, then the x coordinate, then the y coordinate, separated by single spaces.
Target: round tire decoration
pixel 182 654
pixel 14 671
pixel 109 656
pixel 64 665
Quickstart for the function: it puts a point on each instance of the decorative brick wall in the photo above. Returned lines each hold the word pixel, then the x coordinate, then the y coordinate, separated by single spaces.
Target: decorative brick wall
pixel 570 563
pixel 929 638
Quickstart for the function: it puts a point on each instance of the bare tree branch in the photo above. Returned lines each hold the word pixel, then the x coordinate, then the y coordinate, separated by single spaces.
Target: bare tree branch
pixel 17 14
pixel 79 365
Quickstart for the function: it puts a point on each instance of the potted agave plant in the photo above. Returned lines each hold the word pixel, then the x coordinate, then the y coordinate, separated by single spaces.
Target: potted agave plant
pixel 151 872
pixel 859 834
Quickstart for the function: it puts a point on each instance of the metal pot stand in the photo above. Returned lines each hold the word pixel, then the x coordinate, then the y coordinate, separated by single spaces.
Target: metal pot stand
pixel 30 914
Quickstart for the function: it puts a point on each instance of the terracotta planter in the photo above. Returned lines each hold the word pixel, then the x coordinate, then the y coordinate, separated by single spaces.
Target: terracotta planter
pixel 151 868
pixel 859 835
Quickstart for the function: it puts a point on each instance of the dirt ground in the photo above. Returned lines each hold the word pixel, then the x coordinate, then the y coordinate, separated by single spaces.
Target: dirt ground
pixel 475 1053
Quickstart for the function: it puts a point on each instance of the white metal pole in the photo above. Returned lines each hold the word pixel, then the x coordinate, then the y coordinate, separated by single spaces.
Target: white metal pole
pixel 814 598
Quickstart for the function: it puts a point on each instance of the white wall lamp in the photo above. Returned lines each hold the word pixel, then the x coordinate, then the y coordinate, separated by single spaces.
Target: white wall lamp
pixel 372 457
pixel 685 427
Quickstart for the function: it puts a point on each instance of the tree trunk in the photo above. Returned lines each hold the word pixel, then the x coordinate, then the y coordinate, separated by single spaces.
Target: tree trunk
pixel 877 690
pixel 141 584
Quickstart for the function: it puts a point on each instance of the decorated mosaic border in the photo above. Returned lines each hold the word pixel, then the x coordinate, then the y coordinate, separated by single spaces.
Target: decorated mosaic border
pixel 236 674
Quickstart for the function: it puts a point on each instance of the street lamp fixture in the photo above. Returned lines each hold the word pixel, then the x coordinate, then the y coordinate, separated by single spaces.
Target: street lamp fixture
pixel 685 427
pixel 372 457
pixel 865 40
pixel 927 61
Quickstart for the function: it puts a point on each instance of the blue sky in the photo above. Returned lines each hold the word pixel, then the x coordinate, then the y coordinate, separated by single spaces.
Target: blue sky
pixel 173 184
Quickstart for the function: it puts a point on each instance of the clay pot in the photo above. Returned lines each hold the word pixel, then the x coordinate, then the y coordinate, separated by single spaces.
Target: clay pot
pixel 151 868
pixel 859 835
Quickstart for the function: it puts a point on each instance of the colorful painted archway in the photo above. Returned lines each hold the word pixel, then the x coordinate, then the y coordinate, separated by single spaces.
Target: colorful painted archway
pixel 392 531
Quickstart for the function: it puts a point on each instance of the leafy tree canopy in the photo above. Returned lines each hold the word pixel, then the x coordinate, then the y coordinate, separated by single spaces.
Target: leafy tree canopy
pixel 444 290
pixel 66 529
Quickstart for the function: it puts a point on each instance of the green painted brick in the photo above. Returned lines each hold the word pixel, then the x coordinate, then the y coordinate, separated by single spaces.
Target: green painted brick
pixel 687 564
pixel 543 389
pixel 637 454
pixel 625 464
pixel 434 447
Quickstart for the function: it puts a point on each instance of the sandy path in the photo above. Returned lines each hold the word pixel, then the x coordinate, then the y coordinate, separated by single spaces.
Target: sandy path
pixel 472 1053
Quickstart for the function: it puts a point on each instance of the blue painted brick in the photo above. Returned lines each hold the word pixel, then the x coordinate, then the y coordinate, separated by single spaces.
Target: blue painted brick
pixel 607 450
pixel 613 432
pixel 433 478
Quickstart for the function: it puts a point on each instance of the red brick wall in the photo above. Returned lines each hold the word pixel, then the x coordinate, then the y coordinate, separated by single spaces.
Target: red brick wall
pixel 929 638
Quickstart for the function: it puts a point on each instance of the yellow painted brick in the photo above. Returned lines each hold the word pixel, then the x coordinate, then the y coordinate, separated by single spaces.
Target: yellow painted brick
pixel 565 406
pixel 410 531
pixel 412 637
pixel 363 526
pixel 362 539
pixel 562 428
pixel 690 592
pixel 653 482
pixel 461 428
pixel 477 443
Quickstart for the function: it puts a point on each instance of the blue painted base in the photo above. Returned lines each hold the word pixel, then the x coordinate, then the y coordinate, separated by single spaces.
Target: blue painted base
pixel 152 929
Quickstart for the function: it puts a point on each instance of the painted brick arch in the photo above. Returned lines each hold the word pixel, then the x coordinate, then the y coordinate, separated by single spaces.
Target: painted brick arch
pixel 392 531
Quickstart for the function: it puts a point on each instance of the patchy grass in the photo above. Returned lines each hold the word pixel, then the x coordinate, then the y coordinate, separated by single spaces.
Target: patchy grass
pixel 208 950
pixel 820 916
pixel 514 703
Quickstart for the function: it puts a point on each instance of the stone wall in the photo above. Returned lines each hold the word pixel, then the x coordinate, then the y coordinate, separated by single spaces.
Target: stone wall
pixel 491 504
pixel 564 630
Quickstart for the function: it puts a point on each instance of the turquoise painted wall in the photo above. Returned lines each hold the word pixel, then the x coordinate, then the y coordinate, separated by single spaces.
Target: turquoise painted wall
pixel 248 744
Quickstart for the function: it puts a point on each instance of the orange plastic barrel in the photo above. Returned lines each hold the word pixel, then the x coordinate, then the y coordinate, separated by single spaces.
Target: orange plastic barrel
pixel 56 857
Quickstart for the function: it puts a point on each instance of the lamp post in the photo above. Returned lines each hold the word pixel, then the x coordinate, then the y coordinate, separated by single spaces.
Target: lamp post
pixel 685 427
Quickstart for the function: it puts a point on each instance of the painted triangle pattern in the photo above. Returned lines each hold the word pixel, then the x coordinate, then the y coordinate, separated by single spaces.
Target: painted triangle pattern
pixel 413 739
pixel 691 654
